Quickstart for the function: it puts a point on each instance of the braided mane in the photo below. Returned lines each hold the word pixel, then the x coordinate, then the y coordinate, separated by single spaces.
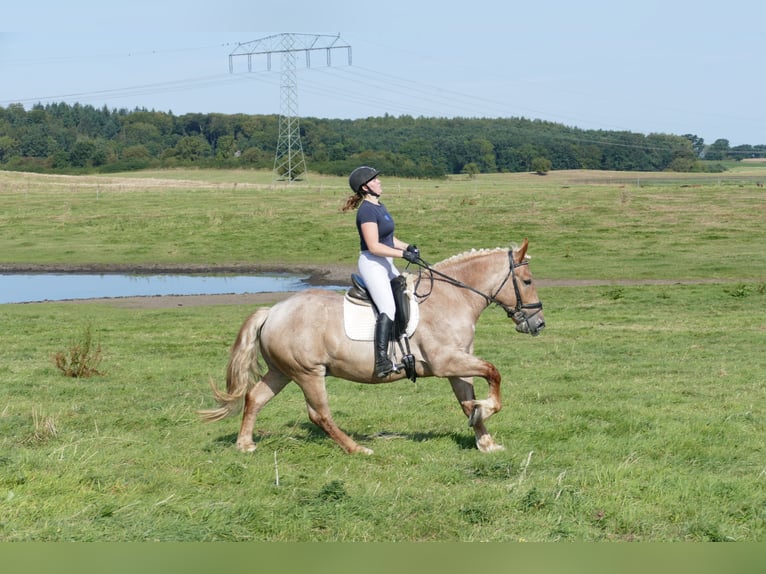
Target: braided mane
pixel 466 255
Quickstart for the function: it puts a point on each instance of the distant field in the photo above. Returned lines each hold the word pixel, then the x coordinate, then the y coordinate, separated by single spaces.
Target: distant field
pixel 638 414
pixel 580 224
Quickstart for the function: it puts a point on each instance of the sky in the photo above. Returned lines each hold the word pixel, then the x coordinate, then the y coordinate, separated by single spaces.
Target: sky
pixel 654 66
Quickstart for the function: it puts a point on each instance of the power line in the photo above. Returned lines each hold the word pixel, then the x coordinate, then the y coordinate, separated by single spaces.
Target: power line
pixel 289 162
pixel 139 90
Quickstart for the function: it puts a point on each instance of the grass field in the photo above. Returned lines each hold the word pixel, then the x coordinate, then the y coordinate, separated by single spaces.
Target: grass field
pixel 638 415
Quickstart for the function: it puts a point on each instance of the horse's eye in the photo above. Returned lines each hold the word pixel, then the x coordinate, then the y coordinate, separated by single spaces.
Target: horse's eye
pixel 527 282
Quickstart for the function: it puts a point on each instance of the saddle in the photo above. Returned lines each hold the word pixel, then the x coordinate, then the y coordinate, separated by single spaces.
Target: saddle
pixel 360 312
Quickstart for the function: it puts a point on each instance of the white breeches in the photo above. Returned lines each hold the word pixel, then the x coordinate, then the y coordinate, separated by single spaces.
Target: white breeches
pixel 377 273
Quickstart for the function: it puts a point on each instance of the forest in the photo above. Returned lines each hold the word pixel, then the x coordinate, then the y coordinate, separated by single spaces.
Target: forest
pixel 74 138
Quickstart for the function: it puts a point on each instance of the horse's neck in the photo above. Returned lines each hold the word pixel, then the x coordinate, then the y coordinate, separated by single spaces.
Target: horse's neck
pixel 480 271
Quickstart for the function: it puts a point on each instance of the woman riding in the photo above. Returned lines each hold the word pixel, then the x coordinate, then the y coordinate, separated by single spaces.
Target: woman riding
pixel 378 246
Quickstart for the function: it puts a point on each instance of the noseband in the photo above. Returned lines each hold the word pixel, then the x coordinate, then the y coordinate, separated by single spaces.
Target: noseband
pixel 517 313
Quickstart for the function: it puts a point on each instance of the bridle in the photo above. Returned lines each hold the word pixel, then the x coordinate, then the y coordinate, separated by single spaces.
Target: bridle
pixel 519 313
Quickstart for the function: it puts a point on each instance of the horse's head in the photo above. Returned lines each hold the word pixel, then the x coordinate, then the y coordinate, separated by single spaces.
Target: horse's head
pixel 526 310
pixel 509 286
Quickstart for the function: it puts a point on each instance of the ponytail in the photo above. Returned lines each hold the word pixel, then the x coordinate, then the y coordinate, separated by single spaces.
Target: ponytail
pixel 353 201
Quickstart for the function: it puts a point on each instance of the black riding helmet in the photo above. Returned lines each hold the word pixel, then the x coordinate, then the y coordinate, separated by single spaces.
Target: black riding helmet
pixel 361 176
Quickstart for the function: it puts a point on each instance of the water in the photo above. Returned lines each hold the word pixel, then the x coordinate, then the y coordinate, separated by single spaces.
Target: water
pixel 34 287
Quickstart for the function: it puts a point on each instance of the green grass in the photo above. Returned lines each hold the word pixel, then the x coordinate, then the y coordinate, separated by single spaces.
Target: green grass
pixel 576 229
pixel 632 419
pixel 637 415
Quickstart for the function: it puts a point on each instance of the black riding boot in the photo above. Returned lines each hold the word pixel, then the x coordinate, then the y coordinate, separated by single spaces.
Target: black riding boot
pixel 383 327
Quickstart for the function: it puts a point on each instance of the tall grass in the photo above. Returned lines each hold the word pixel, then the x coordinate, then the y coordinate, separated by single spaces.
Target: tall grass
pixel 637 415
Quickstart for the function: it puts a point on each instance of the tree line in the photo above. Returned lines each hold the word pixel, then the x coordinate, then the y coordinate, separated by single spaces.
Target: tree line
pixel 74 138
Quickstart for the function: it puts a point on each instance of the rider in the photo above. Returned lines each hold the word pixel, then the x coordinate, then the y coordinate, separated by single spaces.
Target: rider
pixel 378 248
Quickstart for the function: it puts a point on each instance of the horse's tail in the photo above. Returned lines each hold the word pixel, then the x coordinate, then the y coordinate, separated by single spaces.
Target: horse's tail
pixel 242 372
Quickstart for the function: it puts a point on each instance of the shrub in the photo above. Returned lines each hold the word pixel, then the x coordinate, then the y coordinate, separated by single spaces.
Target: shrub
pixel 82 359
pixel 541 165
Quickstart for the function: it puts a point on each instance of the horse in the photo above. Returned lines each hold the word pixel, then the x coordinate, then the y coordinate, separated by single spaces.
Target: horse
pixel 302 339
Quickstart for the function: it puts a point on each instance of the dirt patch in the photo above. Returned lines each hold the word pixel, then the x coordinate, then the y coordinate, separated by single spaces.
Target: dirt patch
pixel 166 301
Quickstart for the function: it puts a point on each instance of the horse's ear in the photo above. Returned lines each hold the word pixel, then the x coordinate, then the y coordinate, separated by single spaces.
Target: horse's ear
pixel 522 252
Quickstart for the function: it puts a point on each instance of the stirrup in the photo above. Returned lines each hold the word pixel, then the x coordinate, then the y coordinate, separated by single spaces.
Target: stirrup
pixel 390 368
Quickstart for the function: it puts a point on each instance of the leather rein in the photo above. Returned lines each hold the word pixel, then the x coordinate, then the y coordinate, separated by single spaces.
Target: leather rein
pixel 517 313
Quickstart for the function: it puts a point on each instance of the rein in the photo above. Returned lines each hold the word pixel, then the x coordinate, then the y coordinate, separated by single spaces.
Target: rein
pixel 516 313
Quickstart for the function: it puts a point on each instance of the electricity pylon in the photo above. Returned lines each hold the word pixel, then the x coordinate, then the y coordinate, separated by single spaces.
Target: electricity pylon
pixel 289 161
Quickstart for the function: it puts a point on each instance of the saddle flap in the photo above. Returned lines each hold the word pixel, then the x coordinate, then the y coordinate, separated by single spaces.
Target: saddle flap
pixel 404 297
pixel 359 319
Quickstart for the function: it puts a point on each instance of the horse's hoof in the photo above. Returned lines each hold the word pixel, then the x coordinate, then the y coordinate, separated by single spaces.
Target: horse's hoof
pixel 248 447
pixel 486 444
pixel 362 450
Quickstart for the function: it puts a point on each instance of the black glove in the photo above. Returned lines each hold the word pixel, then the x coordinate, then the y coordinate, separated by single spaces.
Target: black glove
pixel 411 254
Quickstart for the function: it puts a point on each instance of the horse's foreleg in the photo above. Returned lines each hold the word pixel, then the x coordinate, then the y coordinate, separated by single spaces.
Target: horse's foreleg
pixel 255 399
pixel 484 409
pixel 315 392
pixel 463 389
pixel 492 404
pixel 473 409
pixel 468 366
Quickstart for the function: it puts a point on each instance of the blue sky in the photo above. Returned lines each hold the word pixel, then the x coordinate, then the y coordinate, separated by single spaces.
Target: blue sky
pixel 655 66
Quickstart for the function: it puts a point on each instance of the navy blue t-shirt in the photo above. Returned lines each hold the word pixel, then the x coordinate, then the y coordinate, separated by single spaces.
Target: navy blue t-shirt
pixel 369 212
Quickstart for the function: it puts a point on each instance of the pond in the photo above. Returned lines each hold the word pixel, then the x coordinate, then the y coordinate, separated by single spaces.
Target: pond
pixel 35 287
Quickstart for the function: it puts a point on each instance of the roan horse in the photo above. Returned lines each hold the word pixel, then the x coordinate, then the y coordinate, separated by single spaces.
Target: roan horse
pixel 302 339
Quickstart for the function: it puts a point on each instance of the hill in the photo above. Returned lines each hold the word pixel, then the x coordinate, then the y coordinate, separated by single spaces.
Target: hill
pixel 63 138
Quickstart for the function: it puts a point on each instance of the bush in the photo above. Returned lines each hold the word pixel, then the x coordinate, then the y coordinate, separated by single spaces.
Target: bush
pixel 83 358
pixel 541 165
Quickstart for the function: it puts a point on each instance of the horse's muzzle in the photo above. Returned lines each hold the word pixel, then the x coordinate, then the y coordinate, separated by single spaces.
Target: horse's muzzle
pixel 530 325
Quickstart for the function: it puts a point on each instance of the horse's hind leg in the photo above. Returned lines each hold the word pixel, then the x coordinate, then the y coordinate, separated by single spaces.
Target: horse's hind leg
pixel 255 399
pixel 315 392
pixel 466 396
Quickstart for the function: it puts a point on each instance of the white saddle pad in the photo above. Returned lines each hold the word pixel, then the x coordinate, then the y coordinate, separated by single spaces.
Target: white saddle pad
pixel 359 319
